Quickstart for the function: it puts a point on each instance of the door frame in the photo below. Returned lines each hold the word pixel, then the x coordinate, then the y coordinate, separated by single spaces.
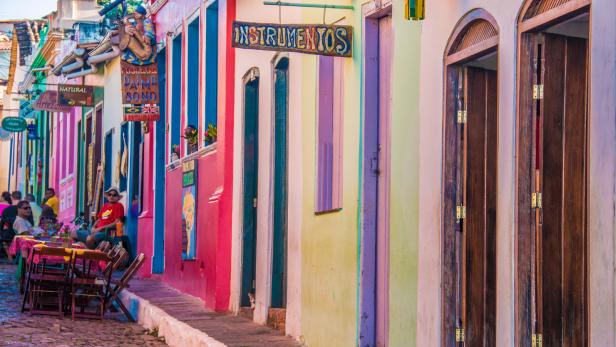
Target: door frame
pixel 526 28
pixel 368 310
pixel 251 75
pixel 278 58
pixel 453 59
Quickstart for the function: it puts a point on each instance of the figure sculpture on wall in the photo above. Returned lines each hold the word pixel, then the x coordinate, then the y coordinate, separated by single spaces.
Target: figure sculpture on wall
pixel 137 38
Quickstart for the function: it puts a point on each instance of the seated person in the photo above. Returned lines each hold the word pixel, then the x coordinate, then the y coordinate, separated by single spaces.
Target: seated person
pixel 48 221
pixel 22 224
pixel 110 214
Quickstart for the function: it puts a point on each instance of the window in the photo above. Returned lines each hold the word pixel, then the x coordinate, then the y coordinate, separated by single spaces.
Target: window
pixel 192 117
pixel 137 170
pixel 108 159
pixel 71 151
pixel 211 65
pixel 124 151
pixel 329 134
pixel 176 91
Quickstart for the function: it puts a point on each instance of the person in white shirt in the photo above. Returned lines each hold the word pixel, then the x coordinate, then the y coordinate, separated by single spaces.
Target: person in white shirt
pixel 22 225
pixel 36 209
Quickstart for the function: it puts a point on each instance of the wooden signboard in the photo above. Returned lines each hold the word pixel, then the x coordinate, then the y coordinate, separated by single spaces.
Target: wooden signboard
pixel 140 92
pixel 48 101
pixel 189 210
pixel 333 40
pixel 75 95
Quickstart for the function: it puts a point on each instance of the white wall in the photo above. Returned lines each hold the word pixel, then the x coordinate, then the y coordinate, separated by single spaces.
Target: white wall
pixel 254 11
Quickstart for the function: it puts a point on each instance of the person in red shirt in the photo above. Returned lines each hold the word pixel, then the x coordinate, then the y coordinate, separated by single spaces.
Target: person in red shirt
pixel 110 214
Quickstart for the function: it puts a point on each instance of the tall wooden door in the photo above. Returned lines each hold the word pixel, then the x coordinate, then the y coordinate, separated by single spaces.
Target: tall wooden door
pixel 374 325
pixel 476 164
pixel 559 196
pixel 279 261
pixel 250 174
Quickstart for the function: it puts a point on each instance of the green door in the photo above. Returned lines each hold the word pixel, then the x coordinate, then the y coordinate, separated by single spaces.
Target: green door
pixel 279 261
pixel 251 165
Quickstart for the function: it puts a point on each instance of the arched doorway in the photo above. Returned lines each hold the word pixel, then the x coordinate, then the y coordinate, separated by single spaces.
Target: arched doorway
pixel 469 187
pixel 552 173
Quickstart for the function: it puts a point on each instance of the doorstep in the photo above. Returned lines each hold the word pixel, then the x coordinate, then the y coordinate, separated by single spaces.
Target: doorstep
pixel 184 321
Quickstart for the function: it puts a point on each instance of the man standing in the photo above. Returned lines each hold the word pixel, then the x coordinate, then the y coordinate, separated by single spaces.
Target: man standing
pixel 36 209
pixel 51 200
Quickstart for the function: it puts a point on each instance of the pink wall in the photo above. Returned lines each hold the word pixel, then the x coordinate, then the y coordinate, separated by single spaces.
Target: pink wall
pixel 197 277
pixel 145 224
pixel 65 178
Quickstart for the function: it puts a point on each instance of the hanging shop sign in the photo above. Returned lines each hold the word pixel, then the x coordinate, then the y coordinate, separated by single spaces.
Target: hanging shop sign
pixel 137 38
pixel 14 124
pixel 25 109
pixel 48 101
pixel 140 92
pixel 189 210
pixel 75 95
pixel 4 135
pixel 333 40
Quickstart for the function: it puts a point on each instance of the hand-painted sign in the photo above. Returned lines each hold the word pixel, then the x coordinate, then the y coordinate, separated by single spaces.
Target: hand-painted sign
pixel 14 124
pixel 75 95
pixel 140 92
pixel 48 101
pixel 334 40
pixel 25 109
pixel 189 210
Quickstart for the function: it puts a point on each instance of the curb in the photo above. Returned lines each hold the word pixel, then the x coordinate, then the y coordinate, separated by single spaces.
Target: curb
pixel 175 332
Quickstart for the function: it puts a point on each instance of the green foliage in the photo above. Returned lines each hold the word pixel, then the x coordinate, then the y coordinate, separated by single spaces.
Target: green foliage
pixel 116 13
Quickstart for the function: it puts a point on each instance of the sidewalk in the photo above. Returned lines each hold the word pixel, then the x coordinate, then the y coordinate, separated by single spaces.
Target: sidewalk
pixel 184 321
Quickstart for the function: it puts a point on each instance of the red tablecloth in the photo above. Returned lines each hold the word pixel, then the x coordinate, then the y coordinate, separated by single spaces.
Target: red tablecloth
pixel 24 244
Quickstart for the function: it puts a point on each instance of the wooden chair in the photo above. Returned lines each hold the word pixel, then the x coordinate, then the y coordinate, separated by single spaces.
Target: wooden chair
pixel 118 286
pixel 86 284
pixel 43 280
pixel 104 246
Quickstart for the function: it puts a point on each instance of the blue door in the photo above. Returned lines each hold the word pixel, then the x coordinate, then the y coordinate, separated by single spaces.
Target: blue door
pixel 279 261
pixel 251 169
pixel 158 258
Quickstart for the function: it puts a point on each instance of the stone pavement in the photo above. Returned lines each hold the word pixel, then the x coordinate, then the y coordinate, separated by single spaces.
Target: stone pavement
pixel 233 331
pixel 17 329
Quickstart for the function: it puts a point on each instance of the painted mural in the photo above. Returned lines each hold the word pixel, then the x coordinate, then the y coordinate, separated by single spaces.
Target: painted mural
pixel 189 210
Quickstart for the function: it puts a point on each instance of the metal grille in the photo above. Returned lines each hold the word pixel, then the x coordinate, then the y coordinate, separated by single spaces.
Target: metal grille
pixel 476 32
pixel 542 6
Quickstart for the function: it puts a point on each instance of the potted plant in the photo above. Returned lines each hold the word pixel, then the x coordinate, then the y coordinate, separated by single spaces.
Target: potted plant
pixel 191 135
pixel 210 134
pixel 175 152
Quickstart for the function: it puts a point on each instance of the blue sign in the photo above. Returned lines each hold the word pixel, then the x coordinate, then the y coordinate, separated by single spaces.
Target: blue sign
pixel 26 110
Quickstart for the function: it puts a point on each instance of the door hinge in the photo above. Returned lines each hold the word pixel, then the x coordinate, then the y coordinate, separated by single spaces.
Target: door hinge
pixel 536 200
pixel 538 92
pixel 462 117
pixel 254 202
pixel 460 212
pixel 537 340
pixel 459 334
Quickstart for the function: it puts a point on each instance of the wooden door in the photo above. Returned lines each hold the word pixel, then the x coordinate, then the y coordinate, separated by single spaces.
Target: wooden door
pixel 559 277
pixel 279 261
pixel 251 169
pixel 469 274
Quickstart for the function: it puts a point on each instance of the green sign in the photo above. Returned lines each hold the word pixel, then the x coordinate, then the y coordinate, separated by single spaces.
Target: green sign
pixel 14 124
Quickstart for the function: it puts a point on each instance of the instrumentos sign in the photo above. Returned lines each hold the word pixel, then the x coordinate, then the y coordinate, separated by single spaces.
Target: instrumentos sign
pixel 333 40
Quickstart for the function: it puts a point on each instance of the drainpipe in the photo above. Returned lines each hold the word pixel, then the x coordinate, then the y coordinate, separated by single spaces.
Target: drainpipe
pixel 74 66
pixel 91 70
pixel 95 59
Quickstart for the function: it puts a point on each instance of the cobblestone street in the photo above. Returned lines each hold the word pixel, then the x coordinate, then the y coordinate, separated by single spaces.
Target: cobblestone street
pixel 18 329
